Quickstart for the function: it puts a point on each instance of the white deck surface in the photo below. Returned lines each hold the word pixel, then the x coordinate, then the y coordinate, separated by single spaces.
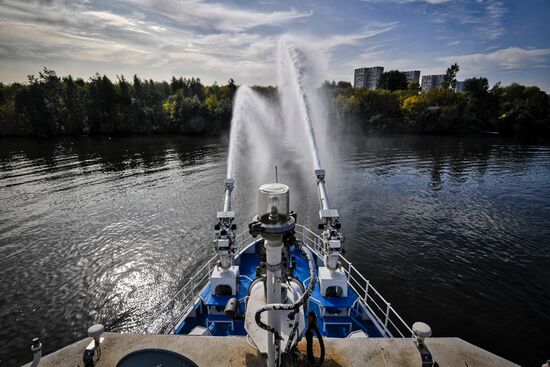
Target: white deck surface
pixel 211 351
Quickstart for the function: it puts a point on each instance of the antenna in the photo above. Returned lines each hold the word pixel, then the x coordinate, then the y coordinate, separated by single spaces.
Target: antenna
pixel 276 175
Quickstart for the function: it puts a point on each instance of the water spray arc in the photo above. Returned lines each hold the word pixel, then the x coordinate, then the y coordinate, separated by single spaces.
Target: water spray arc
pixel 251 135
pixel 296 70
pixel 290 53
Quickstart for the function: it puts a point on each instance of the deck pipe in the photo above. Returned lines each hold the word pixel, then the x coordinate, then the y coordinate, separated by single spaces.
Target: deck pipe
pixel 320 174
pixel 286 307
pixel 229 184
pixel 273 280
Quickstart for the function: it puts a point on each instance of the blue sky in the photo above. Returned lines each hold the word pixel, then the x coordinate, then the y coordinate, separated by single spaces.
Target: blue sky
pixel 507 41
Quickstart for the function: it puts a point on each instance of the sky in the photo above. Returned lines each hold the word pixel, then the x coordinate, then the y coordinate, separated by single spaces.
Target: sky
pixel 503 40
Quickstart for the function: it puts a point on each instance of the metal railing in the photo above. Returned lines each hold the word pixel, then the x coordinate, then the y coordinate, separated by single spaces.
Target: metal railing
pixel 167 317
pixel 370 301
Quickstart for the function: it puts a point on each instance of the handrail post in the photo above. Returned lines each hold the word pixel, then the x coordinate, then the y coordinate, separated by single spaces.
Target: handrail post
pixel 193 287
pixel 172 315
pixel 367 291
pixel 387 316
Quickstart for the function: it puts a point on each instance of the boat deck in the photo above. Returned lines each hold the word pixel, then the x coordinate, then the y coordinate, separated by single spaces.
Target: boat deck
pixel 235 351
pixel 221 325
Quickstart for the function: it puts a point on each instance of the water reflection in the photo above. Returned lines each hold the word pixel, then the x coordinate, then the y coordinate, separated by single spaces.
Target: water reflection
pixel 92 230
pixel 41 159
pixel 451 229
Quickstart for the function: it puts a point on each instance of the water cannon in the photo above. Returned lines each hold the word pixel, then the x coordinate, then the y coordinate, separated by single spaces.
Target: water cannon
pixel 229 185
pixel 225 238
pixel 330 224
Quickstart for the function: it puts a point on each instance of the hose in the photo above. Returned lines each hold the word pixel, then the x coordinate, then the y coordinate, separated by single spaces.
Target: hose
pixel 311 327
pixel 311 286
pixel 287 307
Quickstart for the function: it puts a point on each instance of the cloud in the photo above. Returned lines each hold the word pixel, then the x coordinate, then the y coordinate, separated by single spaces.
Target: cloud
pixel 217 16
pixel 111 19
pixel 511 58
pixel 479 18
pixel 217 41
pixel 433 2
pixel 377 59
pixel 332 41
pixel 45 42
pixel 488 21
pixel 139 37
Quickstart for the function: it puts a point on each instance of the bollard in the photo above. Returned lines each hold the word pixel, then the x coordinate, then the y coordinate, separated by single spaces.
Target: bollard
pixel 36 349
pixel 94 348
pixel 423 331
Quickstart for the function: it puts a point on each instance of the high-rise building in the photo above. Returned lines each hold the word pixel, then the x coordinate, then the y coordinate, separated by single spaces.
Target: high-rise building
pixel 412 76
pixel 368 77
pixel 432 82
pixel 459 86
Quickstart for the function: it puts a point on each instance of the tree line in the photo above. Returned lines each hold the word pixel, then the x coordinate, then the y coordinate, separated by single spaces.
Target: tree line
pixel 396 106
pixel 49 105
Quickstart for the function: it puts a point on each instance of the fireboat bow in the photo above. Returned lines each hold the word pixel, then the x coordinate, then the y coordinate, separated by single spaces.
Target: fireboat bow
pixel 280 281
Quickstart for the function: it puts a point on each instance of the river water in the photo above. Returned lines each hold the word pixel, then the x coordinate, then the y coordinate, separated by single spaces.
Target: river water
pixel 453 231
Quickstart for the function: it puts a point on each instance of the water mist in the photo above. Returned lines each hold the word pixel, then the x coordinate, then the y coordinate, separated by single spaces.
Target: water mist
pixel 289 131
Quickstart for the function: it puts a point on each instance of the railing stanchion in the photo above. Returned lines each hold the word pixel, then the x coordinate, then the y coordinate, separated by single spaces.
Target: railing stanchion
pixel 172 315
pixel 387 316
pixel 193 287
pixel 367 291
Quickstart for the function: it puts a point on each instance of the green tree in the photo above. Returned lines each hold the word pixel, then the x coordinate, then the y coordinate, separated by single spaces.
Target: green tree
pixel 39 107
pixel 414 87
pixel 478 87
pixel 392 81
pixel 76 97
pixel 329 85
pixel 232 87
pixel 449 82
pixel 101 105
pixel 343 84
pixel 479 102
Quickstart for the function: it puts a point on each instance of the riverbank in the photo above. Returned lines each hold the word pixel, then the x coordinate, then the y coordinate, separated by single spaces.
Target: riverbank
pixel 511 110
pixel 49 105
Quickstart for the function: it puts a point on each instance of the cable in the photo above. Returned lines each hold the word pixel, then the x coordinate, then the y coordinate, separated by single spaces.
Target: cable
pixel 311 327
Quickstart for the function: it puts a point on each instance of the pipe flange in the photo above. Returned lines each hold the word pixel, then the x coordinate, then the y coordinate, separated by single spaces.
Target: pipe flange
pixel 260 228
pixel 274 267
